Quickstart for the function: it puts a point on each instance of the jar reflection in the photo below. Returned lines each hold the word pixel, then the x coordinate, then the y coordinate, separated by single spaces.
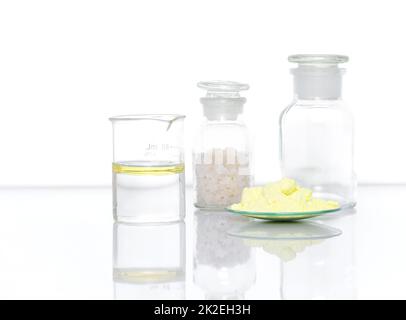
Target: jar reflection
pixel 316 260
pixel 224 267
pixel 325 271
pixel 149 261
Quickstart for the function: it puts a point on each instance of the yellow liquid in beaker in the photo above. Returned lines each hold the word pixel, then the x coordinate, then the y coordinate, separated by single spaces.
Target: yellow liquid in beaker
pixel 148 191
pixel 155 168
pixel 134 275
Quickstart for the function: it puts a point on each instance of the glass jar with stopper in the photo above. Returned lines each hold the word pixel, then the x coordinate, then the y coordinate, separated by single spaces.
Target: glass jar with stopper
pixel 221 155
pixel 316 130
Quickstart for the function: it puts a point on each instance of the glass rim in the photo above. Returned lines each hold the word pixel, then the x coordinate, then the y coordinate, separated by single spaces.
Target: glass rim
pixel 223 86
pixel 146 116
pixel 318 58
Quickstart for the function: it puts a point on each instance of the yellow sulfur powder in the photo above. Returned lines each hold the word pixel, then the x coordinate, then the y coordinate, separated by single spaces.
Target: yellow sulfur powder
pixel 282 196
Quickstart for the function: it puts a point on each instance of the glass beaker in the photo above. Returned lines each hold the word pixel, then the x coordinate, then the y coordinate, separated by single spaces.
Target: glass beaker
pixel 148 168
pixel 149 261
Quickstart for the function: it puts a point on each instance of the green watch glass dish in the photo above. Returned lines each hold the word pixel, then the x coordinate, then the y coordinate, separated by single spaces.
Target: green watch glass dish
pixel 282 216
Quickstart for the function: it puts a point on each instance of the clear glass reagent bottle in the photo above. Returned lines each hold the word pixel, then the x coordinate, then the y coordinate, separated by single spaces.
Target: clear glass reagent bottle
pixel 316 130
pixel 221 155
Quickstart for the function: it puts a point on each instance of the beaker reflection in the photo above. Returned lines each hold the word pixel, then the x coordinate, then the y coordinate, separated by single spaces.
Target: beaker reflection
pixel 224 267
pixel 149 261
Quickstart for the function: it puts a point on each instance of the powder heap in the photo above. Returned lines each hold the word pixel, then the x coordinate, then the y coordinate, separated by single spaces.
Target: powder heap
pixel 282 196
pixel 286 250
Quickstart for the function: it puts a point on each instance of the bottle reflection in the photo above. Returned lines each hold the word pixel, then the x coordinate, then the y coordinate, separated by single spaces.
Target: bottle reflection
pixel 224 266
pixel 149 261
pixel 316 260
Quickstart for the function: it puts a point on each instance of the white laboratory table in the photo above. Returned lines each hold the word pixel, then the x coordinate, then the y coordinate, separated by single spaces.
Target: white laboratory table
pixel 61 243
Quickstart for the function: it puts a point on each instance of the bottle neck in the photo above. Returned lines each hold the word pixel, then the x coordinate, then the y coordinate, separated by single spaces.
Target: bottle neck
pixel 222 109
pixel 317 82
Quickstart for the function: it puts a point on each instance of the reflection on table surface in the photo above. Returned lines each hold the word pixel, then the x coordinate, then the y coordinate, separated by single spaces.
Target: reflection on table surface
pixel 149 261
pixel 312 259
pixel 223 267
pixel 316 260
pixel 65 236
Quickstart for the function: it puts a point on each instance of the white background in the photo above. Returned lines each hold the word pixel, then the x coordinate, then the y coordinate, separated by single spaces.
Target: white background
pixel 66 66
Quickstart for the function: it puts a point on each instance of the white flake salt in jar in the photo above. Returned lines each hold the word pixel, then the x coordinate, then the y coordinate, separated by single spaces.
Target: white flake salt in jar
pixel 221 157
